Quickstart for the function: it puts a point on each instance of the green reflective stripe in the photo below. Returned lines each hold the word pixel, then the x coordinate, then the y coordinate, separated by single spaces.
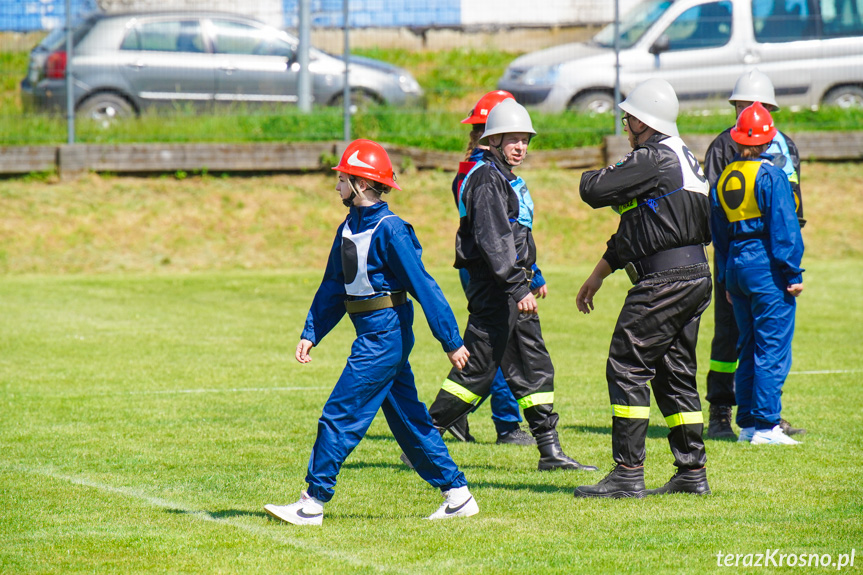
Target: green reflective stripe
pixel 631 411
pixel 794 178
pixel 625 207
pixel 684 418
pixel 723 366
pixel 545 398
pixel 460 392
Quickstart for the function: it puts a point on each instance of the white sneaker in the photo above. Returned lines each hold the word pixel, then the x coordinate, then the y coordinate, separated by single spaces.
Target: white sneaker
pixel 458 503
pixel 746 434
pixel 773 436
pixel 306 511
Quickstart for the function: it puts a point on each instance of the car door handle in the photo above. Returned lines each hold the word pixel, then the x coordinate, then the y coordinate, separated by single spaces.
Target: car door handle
pixel 751 57
pixel 228 69
pixel 137 65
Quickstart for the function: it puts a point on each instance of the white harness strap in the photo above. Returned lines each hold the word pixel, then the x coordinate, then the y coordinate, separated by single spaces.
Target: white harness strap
pixel 355 259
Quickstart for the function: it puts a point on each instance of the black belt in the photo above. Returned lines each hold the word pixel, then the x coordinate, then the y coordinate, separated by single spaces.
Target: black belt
pixel 665 260
pixel 376 303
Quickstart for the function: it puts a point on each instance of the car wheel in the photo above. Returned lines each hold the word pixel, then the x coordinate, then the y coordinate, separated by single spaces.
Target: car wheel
pixel 596 102
pixel 845 97
pixel 105 108
pixel 361 100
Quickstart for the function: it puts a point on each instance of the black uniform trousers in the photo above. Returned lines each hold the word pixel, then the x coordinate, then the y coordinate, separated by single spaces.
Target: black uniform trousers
pixel 723 349
pixel 654 341
pixel 498 335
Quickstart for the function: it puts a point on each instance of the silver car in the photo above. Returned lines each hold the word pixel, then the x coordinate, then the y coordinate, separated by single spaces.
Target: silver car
pixel 125 63
pixel 812 50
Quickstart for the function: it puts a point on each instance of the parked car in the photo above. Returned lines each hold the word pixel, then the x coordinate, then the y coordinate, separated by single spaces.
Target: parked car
pixel 125 63
pixel 812 50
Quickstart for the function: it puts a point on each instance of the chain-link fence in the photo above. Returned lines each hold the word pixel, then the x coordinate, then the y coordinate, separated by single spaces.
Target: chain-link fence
pixel 210 73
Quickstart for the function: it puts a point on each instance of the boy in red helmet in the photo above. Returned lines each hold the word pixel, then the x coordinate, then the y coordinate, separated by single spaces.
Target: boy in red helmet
pixel 374 263
pixel 759 247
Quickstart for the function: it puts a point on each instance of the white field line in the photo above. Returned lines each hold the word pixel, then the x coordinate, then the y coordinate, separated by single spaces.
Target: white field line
pixel 275 532
pixel 825 371
pixel 225 390
pixel 264 389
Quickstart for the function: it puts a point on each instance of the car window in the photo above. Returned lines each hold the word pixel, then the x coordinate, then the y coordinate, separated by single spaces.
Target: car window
pixel 842 18
pixel 238 38
pixel 703 26
pixel 634 24
pixel 782 21
pixel 166 36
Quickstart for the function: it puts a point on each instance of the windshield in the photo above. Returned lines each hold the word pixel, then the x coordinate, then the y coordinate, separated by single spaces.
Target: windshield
pixel 633 25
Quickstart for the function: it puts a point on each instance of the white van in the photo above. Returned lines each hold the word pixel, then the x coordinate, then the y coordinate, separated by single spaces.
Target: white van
pixel 812 50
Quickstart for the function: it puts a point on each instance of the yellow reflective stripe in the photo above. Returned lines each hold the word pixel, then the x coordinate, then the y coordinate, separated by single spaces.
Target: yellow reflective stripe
pixel 723 366
pixel 544 398
pixel 684 418
pixel 619 210
pixel 794 178
pixel 460 392
pixel 631 411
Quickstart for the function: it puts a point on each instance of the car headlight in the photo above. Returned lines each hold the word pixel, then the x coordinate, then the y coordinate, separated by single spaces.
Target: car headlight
pixel 541 75
pixel 408 84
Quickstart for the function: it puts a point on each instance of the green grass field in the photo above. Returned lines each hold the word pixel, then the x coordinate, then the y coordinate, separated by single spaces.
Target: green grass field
pixel 147 420
pixel 150 404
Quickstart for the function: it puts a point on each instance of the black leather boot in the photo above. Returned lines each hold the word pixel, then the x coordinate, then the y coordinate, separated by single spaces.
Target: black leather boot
pixel 621 482
pixel 719 426
pixel 552 455
pixel 685 481
pixel 461 430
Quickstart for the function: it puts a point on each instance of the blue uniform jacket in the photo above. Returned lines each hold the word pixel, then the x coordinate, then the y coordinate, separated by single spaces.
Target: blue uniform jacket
pixel 774 239
pixel 394 264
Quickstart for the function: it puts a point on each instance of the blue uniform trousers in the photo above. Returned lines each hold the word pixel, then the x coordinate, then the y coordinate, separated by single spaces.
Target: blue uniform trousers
pixel 378 375
pixel 765 312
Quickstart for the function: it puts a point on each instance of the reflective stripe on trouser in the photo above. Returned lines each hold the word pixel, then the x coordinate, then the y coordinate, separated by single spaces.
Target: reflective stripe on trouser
pixel 723 350
pixel 378 376
pixel 654 346
pixel 765 314
pixel 514 342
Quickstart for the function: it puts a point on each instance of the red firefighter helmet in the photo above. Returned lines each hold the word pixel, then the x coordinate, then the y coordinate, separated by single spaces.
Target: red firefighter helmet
pixel 369 160
pixel 754 126
pixel 479 114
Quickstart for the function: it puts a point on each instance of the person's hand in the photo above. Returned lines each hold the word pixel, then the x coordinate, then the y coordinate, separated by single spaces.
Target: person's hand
pixel 527 304
pixel 795 289
pixel 541 291
pixel 303 349
pixel 584 299
pixel 458 357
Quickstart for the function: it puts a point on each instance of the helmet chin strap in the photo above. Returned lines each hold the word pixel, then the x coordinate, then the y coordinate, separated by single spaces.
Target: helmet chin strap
pixel 354 193
pixel 637 134
pixel 348 202
pixel 499 149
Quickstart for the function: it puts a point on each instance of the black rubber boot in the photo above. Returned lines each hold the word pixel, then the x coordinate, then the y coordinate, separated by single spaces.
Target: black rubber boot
pixel 553 457
pixel 719 426
pixel 461 430
pixel 621 482
pixel 515 437
pixel 685 481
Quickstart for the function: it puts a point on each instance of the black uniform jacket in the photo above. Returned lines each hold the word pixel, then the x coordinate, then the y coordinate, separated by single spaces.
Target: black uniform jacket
pixel 656 211
pixel 490 242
